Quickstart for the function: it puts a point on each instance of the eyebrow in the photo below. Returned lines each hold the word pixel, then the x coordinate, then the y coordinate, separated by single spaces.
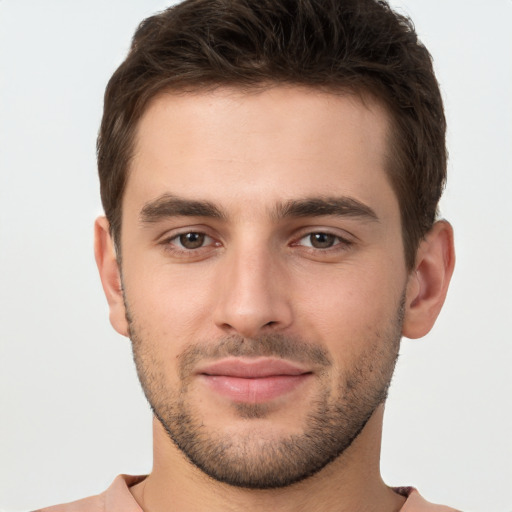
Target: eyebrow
pixel 169 205
pixel 320 206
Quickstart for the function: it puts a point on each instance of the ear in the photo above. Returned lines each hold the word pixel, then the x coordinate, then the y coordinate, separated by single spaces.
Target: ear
pixel 110 274
pixel 428 282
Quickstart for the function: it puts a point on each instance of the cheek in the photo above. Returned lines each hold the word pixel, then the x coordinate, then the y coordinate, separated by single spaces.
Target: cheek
pixel 349 305
pixel 169 302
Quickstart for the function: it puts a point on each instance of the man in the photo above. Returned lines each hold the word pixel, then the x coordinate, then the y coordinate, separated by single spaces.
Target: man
pixel 270 173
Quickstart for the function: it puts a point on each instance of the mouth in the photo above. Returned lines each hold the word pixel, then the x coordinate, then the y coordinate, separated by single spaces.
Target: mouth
pixel 257 380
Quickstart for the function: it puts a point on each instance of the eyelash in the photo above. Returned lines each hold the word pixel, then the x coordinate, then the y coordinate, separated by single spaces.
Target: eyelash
pixel 340 244
pixel 171 244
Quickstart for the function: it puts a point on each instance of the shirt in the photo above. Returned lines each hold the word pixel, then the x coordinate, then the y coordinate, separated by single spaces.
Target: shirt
pixel 118 498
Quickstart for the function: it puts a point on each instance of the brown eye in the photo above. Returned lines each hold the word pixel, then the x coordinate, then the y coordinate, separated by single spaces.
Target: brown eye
pixel 321 240
pixel 192 240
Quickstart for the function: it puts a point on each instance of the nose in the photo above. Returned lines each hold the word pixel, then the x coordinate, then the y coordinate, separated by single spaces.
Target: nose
pixel 252 294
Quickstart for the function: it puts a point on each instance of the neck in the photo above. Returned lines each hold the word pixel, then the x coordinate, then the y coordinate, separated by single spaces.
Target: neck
pixel 351 482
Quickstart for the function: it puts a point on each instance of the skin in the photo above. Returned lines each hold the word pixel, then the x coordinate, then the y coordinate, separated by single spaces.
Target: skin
pixel 257 274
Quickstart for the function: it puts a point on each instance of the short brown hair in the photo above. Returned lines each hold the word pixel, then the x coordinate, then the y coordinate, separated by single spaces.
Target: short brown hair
pixel 359 46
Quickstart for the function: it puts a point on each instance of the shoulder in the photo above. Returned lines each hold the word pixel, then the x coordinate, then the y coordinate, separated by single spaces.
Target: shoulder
pixel 91 504
pixel 117 498
pixel 416 503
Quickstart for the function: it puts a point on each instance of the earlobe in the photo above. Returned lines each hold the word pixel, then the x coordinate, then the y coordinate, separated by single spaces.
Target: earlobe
pixel 428 281
pixel 110 274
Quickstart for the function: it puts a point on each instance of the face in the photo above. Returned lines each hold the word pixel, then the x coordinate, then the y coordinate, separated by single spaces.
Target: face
pixel 263 276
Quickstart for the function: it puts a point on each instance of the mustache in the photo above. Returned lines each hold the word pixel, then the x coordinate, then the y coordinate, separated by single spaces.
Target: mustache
pixel 269 345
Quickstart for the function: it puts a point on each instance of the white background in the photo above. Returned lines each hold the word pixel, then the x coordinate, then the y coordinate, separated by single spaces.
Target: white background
pixel 71 412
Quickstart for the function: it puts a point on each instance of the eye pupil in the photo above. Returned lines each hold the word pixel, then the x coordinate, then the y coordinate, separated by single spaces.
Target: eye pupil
pixel 322 240
pixel 192 240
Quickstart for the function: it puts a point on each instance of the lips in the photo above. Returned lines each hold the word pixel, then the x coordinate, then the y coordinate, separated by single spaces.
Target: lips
pixel 253 380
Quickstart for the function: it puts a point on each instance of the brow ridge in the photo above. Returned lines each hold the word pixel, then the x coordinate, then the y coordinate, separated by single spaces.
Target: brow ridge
pixel 168 205
pixel 319 206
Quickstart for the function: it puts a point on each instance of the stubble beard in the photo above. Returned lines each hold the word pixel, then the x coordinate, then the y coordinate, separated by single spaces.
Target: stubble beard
pixel 253 459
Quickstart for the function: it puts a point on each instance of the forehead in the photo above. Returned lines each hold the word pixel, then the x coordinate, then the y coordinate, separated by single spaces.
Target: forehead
pixel 270 145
